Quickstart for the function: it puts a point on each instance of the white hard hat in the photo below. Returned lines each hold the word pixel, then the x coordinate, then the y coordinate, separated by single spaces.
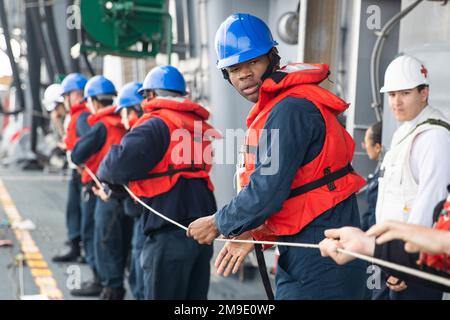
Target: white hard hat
pixel 404 73
pixel 53 96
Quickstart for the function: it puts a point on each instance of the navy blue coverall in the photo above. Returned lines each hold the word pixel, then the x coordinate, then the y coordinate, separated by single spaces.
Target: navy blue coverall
pixel 301 273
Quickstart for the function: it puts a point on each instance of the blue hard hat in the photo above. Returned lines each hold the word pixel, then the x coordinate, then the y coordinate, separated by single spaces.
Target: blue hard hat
pixel 164 78
pixel 97 86
pixel 129 95
pixel 242 37
pixel 72 82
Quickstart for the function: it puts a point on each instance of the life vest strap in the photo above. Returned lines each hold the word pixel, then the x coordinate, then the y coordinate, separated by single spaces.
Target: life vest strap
pixel 431 121
pixel 328 179
pixel 263 271
pixel 171 171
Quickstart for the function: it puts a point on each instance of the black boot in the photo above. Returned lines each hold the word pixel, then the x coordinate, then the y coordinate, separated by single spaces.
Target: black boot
pixel 91 288
pixel 72 255
pixel 112 294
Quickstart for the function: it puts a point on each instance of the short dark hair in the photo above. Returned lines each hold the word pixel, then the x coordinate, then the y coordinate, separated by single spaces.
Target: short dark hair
pixel 376 131
pixel 136 108
pixel 421 87
pixel 104 101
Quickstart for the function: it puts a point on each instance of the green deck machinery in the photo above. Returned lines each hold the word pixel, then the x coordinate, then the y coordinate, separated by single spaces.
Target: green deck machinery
pixel 138 28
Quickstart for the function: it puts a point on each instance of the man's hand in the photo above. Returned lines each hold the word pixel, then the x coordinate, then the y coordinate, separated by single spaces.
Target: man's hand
pixel 80 170
pixel 233 254
pixel 348 238
pixel 417 238
pixel 100 193
pixel 203 230
pixel 392 283
pixel 62 145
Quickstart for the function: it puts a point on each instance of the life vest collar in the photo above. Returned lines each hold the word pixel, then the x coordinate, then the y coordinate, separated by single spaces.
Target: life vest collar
pixel 302 79
pixel 77 107
pixel 175 103
pixel 103 112
pixel 295 74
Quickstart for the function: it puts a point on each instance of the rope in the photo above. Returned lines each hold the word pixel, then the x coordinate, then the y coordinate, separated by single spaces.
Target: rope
pixel 398 267
pixel 372 260
pixel 153 210
pixel 94 177
pixel 272 243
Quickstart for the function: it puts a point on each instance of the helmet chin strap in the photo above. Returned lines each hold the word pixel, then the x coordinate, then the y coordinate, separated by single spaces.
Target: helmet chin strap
pixel 225 75
pixel 274 61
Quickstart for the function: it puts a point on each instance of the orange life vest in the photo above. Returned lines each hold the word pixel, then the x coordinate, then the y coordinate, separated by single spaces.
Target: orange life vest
pixel 325 181
pixel 114 133
pixel 71 134
pixel 440 261
pixel 178 113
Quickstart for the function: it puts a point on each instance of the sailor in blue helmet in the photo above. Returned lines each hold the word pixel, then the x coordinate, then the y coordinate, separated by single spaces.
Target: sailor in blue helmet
pixel 110 227
pixel 314 185
pixel 129 104
pixel 71 94
pixel 175 267
pixel 129 107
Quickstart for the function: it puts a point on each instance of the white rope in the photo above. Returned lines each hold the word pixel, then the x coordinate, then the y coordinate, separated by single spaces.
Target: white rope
pixel 387 264
pixel 272 243
pixel 94 177
pixel 372 260
pixel 398 267
pixel 153 210
pixel 99 184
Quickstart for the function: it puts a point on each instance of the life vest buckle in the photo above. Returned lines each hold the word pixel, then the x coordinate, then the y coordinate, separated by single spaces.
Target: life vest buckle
pixel 331 186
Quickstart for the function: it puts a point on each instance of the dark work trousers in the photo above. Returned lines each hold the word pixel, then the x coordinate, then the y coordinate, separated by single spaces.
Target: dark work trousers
pixel 112 239
pixel 73 207
pixel 136 275
pixel 175 267
pixel 88 201
pixel 303 273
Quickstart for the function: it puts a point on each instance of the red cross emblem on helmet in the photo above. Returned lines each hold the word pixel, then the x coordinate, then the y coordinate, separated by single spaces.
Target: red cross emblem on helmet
pixel 424 71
